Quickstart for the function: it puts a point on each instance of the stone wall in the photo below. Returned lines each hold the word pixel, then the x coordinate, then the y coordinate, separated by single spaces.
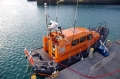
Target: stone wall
pixel 94 1
pixel 46 1
pixel 80 1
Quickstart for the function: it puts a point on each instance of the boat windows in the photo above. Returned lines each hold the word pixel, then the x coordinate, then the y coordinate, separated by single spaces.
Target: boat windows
pixel 82 39
pixel 75 42
pixel 89 37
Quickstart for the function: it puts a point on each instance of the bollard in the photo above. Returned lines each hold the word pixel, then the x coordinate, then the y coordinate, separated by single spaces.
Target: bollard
pixel 108 43
pixel 91 53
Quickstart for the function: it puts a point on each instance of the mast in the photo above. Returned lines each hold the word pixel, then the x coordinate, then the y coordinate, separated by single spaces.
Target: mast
pixel 75 14
pixel 75 19
pixel 57 12
pixel 45 5
pixel 46 15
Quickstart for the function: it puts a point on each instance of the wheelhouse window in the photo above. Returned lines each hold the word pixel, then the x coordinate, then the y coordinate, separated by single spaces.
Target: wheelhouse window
pixel 75 42
pixel 82 39
pixel 89 37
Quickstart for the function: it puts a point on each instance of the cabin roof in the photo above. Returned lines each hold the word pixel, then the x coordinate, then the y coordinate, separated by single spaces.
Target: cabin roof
pixel 69 32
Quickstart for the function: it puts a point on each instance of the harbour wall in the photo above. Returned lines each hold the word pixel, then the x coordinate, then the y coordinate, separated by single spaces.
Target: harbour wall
pixel 79 1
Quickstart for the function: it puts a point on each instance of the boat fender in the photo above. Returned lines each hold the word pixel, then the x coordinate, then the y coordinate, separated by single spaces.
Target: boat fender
pixel 40 57
pixel 101 36
pixel 29 67
pixel 25 56
pixel 33 76
pixel 43 69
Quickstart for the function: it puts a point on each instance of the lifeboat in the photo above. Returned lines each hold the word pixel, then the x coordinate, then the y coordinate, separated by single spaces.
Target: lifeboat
pixel 64 47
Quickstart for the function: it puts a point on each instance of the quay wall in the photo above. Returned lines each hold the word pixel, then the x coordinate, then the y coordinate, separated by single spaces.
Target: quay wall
pixel 80 1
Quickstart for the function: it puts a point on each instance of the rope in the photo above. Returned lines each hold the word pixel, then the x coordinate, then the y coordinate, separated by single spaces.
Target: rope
pixel 100 76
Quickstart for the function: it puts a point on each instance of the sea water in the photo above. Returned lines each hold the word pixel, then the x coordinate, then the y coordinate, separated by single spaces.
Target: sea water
pixel 22 24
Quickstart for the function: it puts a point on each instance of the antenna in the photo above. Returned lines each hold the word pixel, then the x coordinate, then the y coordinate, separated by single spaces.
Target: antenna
pixel 89 28
pixel 75 20
pixel 50 6
pixel 86 27
pixel 75 15
pixel 57 11
pixel 45 5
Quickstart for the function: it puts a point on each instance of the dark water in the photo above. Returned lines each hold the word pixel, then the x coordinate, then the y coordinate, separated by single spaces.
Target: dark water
pixel 22 24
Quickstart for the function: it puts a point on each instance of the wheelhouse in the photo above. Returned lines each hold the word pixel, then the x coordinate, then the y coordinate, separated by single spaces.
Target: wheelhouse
pixel 69 42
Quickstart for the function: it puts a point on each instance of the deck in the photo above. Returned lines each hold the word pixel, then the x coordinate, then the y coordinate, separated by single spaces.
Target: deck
pixel 84 66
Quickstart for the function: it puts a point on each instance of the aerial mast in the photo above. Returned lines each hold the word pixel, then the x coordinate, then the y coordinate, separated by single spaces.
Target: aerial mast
pixel 75 19
pixel 46 15
pixel 75 14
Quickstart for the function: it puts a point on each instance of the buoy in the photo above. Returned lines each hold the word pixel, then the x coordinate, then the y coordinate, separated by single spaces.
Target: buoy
pixel 91 53
pixel 33 76
pixel 82 57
